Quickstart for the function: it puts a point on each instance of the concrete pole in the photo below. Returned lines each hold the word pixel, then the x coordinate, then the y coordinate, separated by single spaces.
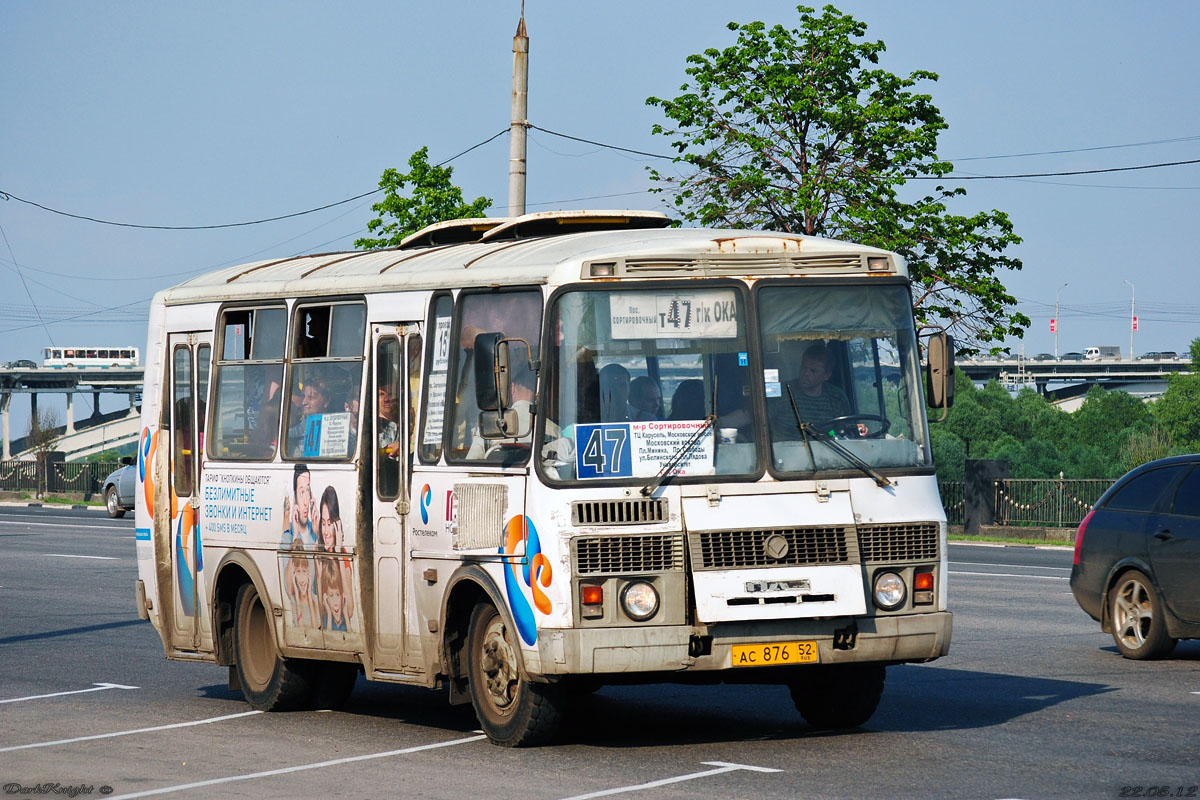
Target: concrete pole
pixel 70 413
pixel 5 402
pixel 133 412
pixel 1057 320
pixel 1132 317
pixel 520 108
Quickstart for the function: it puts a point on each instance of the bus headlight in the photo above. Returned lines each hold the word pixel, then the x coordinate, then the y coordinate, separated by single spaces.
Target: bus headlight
pixel 889 591
pixel 639 600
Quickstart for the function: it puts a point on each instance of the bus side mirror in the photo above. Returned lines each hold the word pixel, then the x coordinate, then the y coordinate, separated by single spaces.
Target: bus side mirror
pixel 493 382
pixel 939 375
pixel 126 461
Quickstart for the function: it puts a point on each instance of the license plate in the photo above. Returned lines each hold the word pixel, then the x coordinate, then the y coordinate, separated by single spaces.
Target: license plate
pixel 774 654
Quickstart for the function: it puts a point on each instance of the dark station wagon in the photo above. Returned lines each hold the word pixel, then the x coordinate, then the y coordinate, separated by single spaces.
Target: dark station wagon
pixel 1137 558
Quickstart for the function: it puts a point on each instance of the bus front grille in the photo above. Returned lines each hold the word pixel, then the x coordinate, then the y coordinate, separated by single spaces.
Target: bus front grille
pixel 618 512
pixel 762 548
pixel 910 541
pixel 617 555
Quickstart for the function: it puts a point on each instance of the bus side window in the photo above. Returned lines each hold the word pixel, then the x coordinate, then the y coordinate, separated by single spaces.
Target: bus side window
pixel 326 381
pixel 516 314
pixel 248 383
pixel 387 418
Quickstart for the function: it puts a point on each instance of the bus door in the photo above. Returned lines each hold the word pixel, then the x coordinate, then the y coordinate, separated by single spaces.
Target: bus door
pixel 191 356
pixel 397 365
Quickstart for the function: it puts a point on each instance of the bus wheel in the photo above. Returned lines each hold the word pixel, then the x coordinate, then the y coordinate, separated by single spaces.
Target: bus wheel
pixel 269 682
pixel 838 697
pixel 512 711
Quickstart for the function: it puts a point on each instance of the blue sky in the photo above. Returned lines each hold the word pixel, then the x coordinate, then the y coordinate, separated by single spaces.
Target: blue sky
pixel 194 114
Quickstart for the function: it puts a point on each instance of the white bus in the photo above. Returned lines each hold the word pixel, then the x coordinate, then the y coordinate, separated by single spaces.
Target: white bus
pixel 523 458
pixel 90 357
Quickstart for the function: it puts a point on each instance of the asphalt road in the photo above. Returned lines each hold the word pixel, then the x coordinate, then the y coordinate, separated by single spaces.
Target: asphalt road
pixel 1033 701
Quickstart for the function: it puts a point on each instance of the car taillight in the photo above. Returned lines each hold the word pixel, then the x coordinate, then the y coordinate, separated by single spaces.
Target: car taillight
pixel 1079 535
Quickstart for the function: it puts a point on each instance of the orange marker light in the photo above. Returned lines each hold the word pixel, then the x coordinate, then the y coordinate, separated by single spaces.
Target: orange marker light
pixel 923 581
pixel 592 595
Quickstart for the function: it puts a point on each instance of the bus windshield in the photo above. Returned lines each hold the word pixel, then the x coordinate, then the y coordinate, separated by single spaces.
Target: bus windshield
pixel 651 380
pixel 840 362
pixel 634 377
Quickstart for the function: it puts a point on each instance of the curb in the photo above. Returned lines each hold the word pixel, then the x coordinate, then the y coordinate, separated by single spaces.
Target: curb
pixel 35 504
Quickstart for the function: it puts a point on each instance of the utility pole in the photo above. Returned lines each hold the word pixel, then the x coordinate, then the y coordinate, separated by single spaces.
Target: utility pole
pixel 520 108
pixel 1057 320
pixel 1132 318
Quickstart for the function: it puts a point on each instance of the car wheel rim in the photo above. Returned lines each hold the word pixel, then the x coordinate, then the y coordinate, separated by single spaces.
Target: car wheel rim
pixel 498 664
pixel 112 501
pixel 1134 614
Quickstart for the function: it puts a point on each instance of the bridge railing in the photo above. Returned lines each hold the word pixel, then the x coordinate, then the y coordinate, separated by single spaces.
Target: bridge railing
pixel 83 477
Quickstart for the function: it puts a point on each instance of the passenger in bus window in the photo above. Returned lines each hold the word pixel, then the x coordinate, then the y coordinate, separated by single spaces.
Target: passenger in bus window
pixel 645 398
pixel 614 394
pixel 298 524
pixel 388 417
pixel 687 403
pixel 264 434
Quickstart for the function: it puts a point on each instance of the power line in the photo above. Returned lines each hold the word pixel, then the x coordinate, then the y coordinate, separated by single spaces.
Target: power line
pixel 26 285
pixel 1078 149
pixel 10 196
pixel 1053 174
pixel 6 195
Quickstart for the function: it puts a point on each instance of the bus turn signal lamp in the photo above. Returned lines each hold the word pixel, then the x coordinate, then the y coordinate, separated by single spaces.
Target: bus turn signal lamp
pixel 923 589
pixel 591 601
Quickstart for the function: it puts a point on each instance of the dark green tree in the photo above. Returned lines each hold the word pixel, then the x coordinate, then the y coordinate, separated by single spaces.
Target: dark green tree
pixel 431 198
pixel 798 130
pixel 1194 354
pixel 1178 411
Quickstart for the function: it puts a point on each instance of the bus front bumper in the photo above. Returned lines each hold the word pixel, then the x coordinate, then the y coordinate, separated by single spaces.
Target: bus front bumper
pixel 685 648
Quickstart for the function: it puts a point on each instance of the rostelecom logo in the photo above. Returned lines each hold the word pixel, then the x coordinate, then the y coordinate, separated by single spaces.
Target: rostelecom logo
pixel 426 496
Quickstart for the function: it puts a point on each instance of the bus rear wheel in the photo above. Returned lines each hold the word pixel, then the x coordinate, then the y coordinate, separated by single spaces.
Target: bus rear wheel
pixel 269 681
pixel 513 711
pixel 838 697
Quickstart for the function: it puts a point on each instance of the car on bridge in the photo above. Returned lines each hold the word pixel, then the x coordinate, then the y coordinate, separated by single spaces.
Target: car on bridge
pixel 118 489
pixel 1071 356
pixel 1043 357
pixel 1137 558
pixel 22 363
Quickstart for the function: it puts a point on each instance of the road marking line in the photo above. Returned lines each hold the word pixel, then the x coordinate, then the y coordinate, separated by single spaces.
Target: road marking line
pixel 721 767
pixel 97 558
pixel 129 733
pixel 85 528
pixel 96 687
pixel 299 768
pixel 1013 575
pixel 989 564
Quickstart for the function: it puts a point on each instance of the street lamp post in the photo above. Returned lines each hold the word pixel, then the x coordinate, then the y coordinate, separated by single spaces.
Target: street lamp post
pixel 1132 316
pixel 1057 321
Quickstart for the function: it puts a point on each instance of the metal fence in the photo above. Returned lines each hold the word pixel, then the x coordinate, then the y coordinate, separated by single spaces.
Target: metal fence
pixel 1049 502
pixel 1052 502
pixel 952 501
pixel 83 477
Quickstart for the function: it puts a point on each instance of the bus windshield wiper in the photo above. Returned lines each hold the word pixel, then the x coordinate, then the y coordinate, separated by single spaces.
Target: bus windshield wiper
pixel 682 452
pixel 807 429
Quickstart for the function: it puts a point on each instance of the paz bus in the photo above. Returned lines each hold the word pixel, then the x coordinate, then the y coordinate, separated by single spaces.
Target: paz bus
pixel 524 458
pixel 90 357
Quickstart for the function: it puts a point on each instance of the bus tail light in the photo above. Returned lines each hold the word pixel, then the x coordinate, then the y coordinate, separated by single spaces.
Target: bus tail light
pixel 923 589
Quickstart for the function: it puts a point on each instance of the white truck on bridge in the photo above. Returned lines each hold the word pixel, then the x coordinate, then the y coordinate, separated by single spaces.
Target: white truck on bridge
pixel 1096 353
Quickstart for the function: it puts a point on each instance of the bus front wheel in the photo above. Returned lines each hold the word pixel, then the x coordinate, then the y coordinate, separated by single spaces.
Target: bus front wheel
pixel 269 682
pixel 512 710
pixel 838 697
